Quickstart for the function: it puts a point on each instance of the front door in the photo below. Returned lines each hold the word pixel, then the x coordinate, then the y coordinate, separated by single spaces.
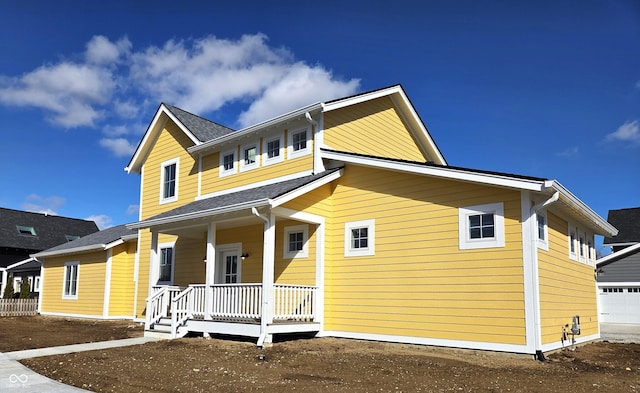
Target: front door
pixel 229 268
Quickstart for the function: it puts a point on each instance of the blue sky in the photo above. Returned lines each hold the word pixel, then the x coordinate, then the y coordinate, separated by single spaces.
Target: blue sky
pixel 548 89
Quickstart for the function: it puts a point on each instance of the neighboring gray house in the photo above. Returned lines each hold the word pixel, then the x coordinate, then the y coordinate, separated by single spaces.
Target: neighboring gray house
pixel 618 274
pixel 24 233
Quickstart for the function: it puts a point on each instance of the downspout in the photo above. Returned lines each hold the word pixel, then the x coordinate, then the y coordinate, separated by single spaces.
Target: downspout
pixel 534 259
pixel 263 333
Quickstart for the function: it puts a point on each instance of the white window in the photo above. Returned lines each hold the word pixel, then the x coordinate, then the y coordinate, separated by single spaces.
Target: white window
pixel 249 157
pixel 591 252
pixel 299 143
pixel 583 246
pixel 572 243
pixel 359 238
pixel 272 150
pixel 295 241
pixel 71 273
pixel 165 271
pixel 228 163
pixel 17 284
pixel 481 226
pixel 542 231
pixel 36 285
pixel 169 181
pixel 28 231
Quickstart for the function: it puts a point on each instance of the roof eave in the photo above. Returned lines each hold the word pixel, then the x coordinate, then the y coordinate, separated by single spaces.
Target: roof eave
pixel 618 254
pixel 256 127
pixel 66 251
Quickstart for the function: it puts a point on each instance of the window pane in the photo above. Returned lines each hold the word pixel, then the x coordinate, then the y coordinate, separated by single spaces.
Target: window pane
pixel 487 232
pixel 250 156
pixel 474 233
pixel 474 221
pixel 169 181
pixel 228 162
pixel 273 148
pixel 487 219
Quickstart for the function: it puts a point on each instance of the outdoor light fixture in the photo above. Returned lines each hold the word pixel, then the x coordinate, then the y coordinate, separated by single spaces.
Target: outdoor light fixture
pixel 244 255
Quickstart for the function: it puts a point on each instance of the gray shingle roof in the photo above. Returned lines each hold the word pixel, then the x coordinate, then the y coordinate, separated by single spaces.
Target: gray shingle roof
pixel 270 191
pixel 50 230
pixel 201 128
pixel 627 221
pixel 105 236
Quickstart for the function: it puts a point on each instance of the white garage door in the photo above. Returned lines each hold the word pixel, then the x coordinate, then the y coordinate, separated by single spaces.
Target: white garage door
pixel 620 304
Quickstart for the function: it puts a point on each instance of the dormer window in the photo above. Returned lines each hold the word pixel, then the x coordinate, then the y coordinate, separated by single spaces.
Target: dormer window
pixel 299 143
pixel 27 231
pixel 272 150
pixel 249 157
pixel 228 162
pixel 71 237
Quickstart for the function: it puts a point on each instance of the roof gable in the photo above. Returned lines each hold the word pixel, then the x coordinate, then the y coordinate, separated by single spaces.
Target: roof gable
pixel 627 221
pixel 48 230
pixel 196 128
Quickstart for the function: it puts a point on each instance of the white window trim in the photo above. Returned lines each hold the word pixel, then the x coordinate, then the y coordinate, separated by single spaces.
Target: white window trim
pixel 573 255
pixel 17 284
pixel 36 284
pixel 171 245
pixel 356 252
pixel 465 242
pixel 298 153
pixel 265 151
pixel 304 253
pixel 582 245
pixel 64 280
pixel 543 243
pixel 163 165
pixel 228 172
pixel 243 165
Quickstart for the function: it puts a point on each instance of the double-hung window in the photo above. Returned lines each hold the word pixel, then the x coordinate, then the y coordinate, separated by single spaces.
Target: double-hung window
pixel 166 264
pixel 359 238
pixel 295 243
pixel 169 181
pixel 70 286
pixel 299 143
pixel 249 157
pixel 542 231
pixel 272 150
pixel 228 162
pixel 481 226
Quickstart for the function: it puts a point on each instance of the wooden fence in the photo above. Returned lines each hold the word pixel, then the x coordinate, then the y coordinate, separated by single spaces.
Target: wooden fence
pixel 18 307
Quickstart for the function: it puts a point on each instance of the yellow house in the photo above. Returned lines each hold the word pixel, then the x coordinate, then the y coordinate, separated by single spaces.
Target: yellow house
pixel 91 277
pixel 344 219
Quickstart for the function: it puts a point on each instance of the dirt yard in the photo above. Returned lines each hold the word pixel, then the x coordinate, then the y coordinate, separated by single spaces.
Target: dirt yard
pixel 322 365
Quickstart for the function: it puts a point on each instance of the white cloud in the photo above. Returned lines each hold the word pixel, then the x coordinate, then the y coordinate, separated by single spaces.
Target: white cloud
pixel 112 83
pixel 120 147
pixel 102 220
pixel 133 210
pixel 47 205
pixel 628 132
pixel 569 152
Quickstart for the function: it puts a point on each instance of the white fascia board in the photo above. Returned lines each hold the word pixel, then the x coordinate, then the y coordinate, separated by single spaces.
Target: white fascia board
pixel 582 208
pixel 113 244
pixel 256 127
pixel 199 214
pixel 20 263
pixel 155 124
pixel 92 247
pixel 305 189
pixel 361 98
pixel 447 173
pixel 618 254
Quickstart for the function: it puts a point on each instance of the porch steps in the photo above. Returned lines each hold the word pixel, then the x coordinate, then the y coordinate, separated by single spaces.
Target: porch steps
pixel 162 329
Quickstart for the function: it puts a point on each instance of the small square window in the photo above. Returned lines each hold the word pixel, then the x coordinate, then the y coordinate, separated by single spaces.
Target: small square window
pixel 299 143
pixel 359 238
pixel 24 230
pixel 273 148
pixel 481 226
pixel 272 151
pixel 249 157
pixel 295 241
pixel 228 162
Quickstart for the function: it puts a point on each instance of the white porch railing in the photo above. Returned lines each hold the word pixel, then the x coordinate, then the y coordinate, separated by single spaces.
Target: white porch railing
pixel 158 304
pixel 235 302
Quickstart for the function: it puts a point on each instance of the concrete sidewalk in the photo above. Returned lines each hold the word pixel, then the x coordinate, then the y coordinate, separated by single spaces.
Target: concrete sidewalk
pixel 620 332
pixel 19 378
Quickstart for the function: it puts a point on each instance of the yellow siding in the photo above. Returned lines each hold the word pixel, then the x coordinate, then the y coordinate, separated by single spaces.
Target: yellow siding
pixel 91 278
pixel 189 261
pixel 251 239
pixel 171 143
pixel 122 285
pixel 367 127
pixel 567 287
pixel 301 271
pixel 212 182
pixel 419 283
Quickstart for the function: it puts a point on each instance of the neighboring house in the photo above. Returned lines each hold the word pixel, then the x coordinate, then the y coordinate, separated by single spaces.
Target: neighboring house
pixel 24 233
pixel 344 219
pixel 91 277
pixel 618 274
pixel 627 222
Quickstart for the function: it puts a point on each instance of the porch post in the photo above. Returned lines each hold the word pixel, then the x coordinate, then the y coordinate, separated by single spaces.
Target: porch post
pixel 210 272
pixel 267 276
pixel 153 275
